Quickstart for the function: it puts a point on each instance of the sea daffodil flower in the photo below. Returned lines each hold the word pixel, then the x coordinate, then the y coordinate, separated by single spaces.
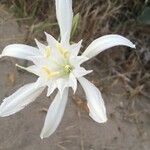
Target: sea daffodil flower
pixel 58 66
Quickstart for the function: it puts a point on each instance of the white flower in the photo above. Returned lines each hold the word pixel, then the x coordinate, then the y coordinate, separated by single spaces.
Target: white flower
pixel 58 66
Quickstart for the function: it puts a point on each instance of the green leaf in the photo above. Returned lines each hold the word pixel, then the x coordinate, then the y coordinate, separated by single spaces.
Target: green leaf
pixel 145 16
pixel 75 23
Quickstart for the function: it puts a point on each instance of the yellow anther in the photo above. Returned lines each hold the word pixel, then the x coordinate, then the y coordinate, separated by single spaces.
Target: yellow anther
pixel 47 52
pixel 49 73
pixel 64 52
pixel 68 68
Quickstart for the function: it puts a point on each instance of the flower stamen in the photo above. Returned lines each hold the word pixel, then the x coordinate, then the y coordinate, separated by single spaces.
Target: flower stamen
pixel 47 52
pixel 67 69
pixel 64 52
pixel 50 74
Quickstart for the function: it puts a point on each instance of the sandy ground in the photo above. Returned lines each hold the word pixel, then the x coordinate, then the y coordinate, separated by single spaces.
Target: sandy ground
pixel 125 129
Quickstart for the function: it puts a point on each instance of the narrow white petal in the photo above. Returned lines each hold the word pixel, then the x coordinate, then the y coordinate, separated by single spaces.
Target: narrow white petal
pixel 51 87
pixel 64 15
pixel 77 60
pixel 94 101
pixel 72 82
pixel 38 60
pixel 80 72
pixel 34 69
pixel 62 83
pixel 22 97
pixel 20 51
pixel 52 42
pixel 40 46
pixel 42 61
pixel 105 42
pixel 75 48
pixel 54 114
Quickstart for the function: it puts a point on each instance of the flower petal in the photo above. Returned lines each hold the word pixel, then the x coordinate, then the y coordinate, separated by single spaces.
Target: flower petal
pixel 21 51
pixel 61 84
pixel 42 61
pixel 95 101
pixel 54 114
pixel 64 15
pixel 51 87
pixel 80 72
pixel 75 48
pixel 72 82
pixel 39 61
pixel 22 97
pixel 52 42
pixel 104 43
pixel 41 46
pixel 34 69
pixel 77 60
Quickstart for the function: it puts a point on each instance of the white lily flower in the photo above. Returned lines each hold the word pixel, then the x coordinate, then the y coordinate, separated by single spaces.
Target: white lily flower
pixel 58 66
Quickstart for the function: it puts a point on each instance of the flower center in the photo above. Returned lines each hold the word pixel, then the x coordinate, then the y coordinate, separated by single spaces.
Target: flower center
pixel 61 70
pixel 52 74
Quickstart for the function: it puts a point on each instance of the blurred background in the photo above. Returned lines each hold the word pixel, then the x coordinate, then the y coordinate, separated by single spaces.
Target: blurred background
pixel 122 74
